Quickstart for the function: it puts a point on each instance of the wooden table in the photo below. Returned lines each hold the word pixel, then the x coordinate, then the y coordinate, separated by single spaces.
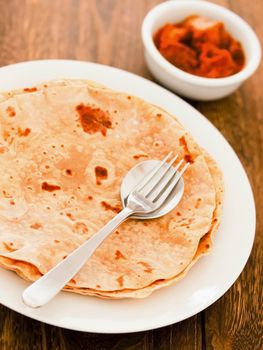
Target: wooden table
pixel 108 32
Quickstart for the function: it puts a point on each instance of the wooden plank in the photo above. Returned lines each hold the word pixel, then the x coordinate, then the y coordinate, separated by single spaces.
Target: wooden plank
pixel 184 335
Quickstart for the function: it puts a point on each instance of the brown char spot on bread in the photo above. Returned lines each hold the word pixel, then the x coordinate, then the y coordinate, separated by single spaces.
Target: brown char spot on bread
pixel 6 194
pixel 107 206
pixel 3 149
pixel 69 172
pixel 138 156
pixel 119 255
pixel 9 246
pixel 24 133
pixel 198 202
pixel 6 135
pixel 11 111
pixel 49 187
pixel 73 281
pixel 70 216
pixel 36 226
pixel 187 157
pixel 147 267
pixel 32 89
pixel 80 227
pixel 120 281
pixel 182 142
pixel 101 173
pixel 93 119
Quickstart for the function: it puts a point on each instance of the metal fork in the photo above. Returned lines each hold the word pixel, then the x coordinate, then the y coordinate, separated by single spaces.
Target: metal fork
pixel 146 197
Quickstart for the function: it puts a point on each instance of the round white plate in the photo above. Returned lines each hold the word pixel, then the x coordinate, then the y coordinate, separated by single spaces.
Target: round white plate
pixel 207 281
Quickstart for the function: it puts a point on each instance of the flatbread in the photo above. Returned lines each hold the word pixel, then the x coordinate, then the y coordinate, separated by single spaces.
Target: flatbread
pixel 45 225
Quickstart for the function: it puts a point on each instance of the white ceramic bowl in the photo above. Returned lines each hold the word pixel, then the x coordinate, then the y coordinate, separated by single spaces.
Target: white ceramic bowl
pixel 186 84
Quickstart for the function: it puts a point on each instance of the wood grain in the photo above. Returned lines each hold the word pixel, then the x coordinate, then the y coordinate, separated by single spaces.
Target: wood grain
pixel 108 32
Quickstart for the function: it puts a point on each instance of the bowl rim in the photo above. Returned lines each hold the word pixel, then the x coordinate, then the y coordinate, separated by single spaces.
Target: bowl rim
pixel 250 67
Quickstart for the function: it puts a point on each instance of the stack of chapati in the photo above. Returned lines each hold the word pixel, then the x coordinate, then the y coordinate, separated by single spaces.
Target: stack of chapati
pixel 65 147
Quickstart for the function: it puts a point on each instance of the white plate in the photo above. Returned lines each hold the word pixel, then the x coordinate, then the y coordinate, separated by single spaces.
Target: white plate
pixel 207 281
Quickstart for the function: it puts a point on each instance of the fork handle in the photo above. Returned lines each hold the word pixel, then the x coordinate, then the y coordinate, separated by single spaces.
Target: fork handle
pixel 47 287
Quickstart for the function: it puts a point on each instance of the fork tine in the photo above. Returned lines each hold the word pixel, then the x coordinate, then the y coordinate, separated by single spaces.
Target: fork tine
pixel 151 174
pixel 149 187
pixel 163 180
pixel 162 196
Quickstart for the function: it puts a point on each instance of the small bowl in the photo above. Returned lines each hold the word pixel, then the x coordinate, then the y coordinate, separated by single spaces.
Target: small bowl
pixel 187 84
